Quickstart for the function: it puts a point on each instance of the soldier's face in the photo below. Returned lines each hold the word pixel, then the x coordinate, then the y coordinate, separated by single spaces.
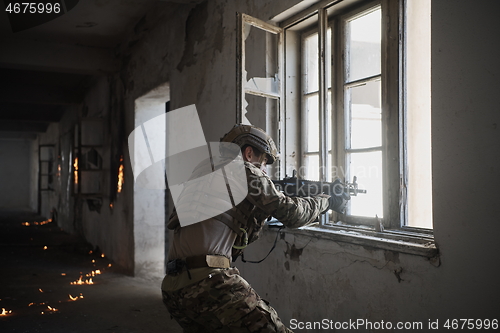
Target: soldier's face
pixel 263 165
pixel 259 161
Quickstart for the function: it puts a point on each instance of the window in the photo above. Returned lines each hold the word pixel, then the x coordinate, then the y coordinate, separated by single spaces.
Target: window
pixel 352 146
pixel 87 158
pixel 46 169
pixel 356 106
pixel 259 78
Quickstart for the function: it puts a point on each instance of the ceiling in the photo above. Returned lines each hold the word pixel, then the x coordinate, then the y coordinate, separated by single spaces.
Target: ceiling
pixel 47 61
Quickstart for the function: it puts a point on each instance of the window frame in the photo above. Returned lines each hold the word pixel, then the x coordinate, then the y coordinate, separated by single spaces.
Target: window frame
pixel 305 150
pixel 241 76
pixel 390 91
pixel 341 85
pixel 393 117
pixel 394 235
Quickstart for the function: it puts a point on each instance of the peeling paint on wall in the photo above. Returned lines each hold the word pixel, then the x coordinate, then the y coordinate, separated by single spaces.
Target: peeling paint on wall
pixel 398 271
pixel 293 252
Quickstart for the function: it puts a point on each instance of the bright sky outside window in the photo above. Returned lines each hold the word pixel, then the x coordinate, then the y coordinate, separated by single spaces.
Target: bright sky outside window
pixel 363 122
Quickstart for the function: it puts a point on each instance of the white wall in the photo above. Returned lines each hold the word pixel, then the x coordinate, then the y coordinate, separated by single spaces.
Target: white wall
pixel 149 194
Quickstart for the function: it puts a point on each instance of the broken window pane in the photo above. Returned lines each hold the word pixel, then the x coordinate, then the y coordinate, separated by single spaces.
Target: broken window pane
pixel 255 110
pixel 262 112
pixel 261 60
pixel 91 159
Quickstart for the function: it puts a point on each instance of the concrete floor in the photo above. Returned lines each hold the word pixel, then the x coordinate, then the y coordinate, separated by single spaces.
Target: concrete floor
pixel 33 280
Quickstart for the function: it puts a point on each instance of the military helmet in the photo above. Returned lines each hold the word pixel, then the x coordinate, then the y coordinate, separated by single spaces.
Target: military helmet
pixel 251 135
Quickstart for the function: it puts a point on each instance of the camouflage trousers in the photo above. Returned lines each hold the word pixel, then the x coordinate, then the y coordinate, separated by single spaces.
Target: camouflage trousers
pixel 222 303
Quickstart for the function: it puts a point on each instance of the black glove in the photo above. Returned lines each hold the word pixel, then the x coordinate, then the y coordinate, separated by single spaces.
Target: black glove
pixel 338 203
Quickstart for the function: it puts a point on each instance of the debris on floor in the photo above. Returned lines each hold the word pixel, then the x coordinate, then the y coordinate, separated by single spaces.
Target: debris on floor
pixel 55 282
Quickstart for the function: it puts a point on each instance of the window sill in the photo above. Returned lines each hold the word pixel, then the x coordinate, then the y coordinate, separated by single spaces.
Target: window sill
pixel 409 242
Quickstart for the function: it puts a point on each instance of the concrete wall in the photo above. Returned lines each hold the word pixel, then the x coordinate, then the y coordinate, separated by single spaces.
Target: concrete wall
pixel 107 221
pixel 17 163
pixel 193 49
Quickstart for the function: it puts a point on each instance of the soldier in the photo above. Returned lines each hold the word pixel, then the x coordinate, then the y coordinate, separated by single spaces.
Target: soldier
pixel 201 290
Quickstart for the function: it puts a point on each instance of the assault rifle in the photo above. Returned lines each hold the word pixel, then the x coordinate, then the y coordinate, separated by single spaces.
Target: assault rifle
pixel 339 192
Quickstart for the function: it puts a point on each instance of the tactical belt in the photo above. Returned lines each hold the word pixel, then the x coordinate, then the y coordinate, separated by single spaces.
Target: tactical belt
pixel 176 266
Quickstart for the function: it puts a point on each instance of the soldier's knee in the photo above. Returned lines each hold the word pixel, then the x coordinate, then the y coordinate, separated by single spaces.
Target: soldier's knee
pixel 263 319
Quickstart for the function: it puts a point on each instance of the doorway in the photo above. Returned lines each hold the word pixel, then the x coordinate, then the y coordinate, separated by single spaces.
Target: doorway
pixel 149 201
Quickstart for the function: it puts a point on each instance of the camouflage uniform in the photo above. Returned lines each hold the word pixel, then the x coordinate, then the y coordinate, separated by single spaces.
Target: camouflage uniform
pixel 223 302
pixel 211 299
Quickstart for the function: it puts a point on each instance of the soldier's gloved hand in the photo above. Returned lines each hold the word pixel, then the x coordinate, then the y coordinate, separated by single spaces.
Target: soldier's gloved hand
pixel 337 203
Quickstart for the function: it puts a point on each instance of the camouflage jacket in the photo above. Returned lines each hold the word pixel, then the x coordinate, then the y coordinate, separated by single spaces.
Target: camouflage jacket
pixel 262 201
